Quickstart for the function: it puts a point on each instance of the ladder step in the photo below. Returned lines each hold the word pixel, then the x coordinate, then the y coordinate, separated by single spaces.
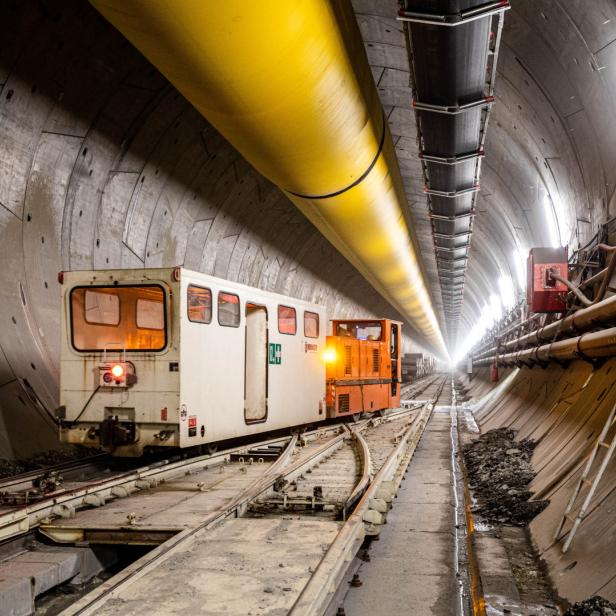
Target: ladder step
pixel 587 482
pixel 604 444
pixel 569 517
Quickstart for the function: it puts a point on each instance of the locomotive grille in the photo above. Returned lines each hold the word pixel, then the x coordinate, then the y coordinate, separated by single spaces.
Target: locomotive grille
pixel 376 357
pixel 348 361
pixel 343 403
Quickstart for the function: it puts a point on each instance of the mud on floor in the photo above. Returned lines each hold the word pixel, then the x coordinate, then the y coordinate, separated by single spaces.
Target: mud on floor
pixel 9 468
pixel 595 606
pixel 499 472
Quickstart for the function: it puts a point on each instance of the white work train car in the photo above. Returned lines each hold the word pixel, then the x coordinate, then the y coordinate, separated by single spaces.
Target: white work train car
pixel 174 358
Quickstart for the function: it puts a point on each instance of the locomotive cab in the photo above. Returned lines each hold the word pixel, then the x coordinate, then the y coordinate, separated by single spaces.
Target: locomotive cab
pixel 363 367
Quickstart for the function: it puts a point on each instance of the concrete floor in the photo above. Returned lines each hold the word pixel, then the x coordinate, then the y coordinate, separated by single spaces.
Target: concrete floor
pixel 412 568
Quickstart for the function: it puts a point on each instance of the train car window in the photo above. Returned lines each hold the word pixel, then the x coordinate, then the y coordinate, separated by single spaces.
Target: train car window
pixel 199 304
pixel 150 315
pixel 362 330
pixel 101 308
pixel 228 309
pixel 139 320
pixel 287 320
pixel 368 331
pixel 311 324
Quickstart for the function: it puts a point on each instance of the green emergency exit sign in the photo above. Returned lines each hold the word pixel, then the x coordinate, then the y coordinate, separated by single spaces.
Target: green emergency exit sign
pixel 275 353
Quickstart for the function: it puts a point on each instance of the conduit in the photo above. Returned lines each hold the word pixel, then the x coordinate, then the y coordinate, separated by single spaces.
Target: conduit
pixel 588 346
pixel 583 320
pixel 288 84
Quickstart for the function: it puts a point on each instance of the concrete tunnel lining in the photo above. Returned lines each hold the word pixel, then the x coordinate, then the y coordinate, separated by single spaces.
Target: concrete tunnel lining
pixel 103 164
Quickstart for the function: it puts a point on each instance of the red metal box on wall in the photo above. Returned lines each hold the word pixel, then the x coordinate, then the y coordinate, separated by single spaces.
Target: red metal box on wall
pixel 544 293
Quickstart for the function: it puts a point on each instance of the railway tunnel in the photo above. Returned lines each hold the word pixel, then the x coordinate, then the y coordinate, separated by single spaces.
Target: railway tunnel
pixel 382 160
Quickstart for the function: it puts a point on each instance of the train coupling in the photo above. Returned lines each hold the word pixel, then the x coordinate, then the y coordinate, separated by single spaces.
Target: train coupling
pixel 115 432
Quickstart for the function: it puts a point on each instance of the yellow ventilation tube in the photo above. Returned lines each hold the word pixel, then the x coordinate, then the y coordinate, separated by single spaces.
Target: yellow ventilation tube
pixel 287 83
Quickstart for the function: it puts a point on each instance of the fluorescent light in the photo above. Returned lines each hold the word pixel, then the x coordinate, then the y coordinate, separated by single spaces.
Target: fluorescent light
pixel 507 291
pixel 551 222
pixel 518 257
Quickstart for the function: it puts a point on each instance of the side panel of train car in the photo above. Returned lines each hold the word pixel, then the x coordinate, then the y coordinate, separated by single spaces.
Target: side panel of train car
pixel 363 366
pixel 175 358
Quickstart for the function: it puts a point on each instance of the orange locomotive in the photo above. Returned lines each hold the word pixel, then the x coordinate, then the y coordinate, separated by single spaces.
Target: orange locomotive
pixel 363 368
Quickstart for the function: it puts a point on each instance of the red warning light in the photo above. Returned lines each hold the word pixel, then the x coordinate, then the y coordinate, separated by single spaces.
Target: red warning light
pixel 117 371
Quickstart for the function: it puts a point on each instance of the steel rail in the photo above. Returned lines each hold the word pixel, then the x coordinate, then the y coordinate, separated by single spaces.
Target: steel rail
pixel 364 481
pixel 280 470
pixel 98 596
pixel 23 481
pixel 321 588
pixel 19 521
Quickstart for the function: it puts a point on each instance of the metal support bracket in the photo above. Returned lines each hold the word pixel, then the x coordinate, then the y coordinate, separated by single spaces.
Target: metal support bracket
pixel 451 194
pixel 454 19
pixel 450 160
pixel 484 101
pixel 452 218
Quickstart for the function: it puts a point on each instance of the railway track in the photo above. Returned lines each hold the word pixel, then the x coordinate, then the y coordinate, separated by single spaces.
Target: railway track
pixel 25 488
pixel 285 539
pixel 311 485
pixel 29 498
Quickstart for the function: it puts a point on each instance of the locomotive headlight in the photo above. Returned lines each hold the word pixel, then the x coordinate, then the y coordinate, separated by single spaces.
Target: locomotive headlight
pixel 329 356
pixel 118 371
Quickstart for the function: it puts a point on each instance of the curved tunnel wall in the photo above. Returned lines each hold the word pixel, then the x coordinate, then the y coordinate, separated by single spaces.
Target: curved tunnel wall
pixel 563 410
pixel 104 165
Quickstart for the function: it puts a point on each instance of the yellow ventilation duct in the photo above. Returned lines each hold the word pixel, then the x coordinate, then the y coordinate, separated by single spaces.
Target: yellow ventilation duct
pixel 287 83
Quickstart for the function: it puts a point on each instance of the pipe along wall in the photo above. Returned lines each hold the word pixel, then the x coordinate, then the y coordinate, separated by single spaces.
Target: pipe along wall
pixel 288 84
pixel 564 410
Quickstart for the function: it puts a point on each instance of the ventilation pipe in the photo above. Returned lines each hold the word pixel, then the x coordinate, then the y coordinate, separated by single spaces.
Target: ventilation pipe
pixel 288 84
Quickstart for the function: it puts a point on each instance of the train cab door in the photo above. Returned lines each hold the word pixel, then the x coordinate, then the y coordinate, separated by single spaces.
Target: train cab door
pixel 394 353
pixel 256 364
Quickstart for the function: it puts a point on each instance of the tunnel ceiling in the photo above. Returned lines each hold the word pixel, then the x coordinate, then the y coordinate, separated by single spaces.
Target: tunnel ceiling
pixel 104 164
pixel 551 140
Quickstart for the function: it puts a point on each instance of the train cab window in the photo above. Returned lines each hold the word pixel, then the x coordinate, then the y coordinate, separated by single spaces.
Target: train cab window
pixel 129 317
pixel 361 330
pixel 311 324
pixel 287 320
pixel 101 308
pixel 150 314
pixel 369 331
pixel 228 309
pixel 199 304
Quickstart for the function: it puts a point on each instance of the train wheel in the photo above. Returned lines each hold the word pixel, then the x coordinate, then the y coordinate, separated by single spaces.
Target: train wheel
pixel 211 448
pixel 355 417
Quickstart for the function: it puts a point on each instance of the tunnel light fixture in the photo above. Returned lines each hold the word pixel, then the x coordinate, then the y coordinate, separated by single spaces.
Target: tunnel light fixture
pixel 518 256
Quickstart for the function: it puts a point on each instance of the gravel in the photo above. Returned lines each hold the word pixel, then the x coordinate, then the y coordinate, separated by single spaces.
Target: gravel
pixel 8 468
pixel 595 606
pixel 499 471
